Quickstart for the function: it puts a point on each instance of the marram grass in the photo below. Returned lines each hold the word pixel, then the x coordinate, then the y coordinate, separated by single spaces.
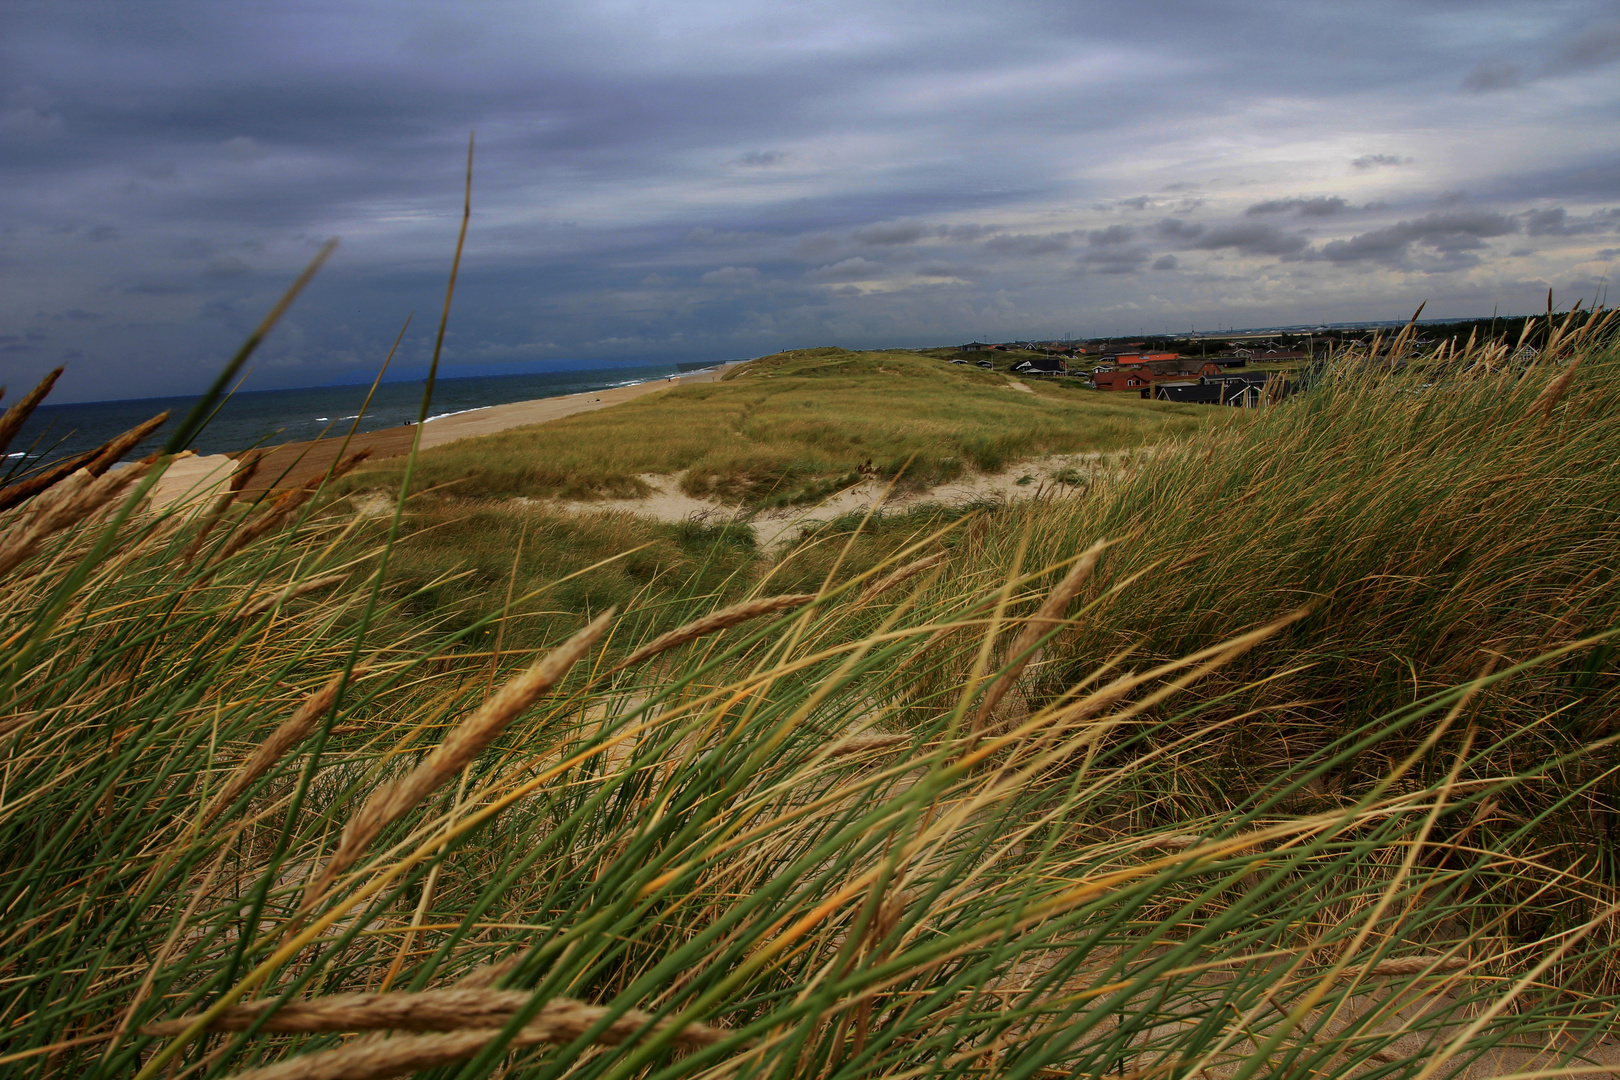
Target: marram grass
pixel 927 822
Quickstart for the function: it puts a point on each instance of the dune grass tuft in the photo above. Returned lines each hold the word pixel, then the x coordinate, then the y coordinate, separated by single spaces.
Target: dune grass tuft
pixel 789 847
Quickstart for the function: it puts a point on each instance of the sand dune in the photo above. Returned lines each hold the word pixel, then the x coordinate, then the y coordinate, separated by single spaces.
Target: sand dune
pixel 297 464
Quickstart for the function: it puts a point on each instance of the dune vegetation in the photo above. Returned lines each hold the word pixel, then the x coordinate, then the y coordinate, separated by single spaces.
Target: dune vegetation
pixel 792 428
pixel 1289 752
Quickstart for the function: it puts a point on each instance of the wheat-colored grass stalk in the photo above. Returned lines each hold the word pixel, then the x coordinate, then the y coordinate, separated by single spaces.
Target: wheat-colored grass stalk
pixel 455 1008
pixel 278 514
pixel 265 601
pixel 1550 396
pixel 464 743
pixel 68 503
pixel 95 462
pixel 222 503
pixel 560 1020
pixel 113 452
pixel 431 1010
pixel 713 623
pixel 860 744
pixel 904 573
pixel 290 733
pixel 1402 966
pixel 1043 622
pixel 15 416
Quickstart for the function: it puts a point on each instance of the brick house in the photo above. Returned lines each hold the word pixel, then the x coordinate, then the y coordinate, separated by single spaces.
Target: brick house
pixel 1146 374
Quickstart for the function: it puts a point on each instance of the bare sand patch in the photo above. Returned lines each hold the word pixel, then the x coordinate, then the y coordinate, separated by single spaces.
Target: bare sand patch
pixel 1052 476
pixel 190 477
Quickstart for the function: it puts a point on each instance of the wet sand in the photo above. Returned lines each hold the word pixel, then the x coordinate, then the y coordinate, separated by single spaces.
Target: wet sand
pixel 295 465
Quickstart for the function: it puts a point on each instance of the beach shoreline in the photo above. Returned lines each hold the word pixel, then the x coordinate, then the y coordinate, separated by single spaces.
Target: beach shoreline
pixel 298 464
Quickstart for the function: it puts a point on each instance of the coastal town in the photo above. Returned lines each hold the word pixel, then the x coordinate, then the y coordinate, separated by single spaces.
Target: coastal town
pixel 1241 377
pixel 1251 368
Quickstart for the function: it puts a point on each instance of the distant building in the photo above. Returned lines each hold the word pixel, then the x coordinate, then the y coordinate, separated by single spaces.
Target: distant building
pixel 1043 365
pixel 1132 376
pixel 1133 359
pixel 1274 356
pixel 1242 390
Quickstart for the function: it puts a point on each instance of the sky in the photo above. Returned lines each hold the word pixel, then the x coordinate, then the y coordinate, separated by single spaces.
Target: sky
pixel 685 180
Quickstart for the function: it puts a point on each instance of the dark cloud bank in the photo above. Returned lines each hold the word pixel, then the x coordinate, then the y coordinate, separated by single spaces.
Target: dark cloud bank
pixel 699 181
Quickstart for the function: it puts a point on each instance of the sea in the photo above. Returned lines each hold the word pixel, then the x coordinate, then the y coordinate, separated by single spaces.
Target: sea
pixel 269 417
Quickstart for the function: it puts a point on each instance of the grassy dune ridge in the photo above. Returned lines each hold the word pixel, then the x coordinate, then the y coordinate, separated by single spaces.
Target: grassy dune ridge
pixel 1038 808
pixel 794 427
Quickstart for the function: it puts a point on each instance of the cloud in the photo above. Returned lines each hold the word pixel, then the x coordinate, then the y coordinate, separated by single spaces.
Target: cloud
pixel 244 148
pixel 101 234
pixel 1555 221
pixel 28 122
pixel 1493 73
pixel 1165 262
pixel 1024 244
pixel 972 232
pixel 1596 45
pixel 1379 161
pixel 1112 260
pixel 1114 234
pixel 1321 206
pixel 1180 230
pixel 1448 234
pixel 1257 238
pixel 893 232
pixel 732 276
pixel 227 266
pixel 711 139
pixel 853 269
pixel 156 288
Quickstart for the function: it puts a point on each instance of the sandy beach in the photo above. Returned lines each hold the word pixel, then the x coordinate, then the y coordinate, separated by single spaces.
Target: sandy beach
pixel 293 465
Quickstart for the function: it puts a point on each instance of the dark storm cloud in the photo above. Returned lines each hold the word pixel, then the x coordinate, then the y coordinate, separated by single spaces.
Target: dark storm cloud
pixel 1023 244
pixel 1114 234
pixel 1494 73
pixel 1555 221
pixel 896 232
pixel 1252 238
pixel 1589 47
pixel 1113 260
pixel 1321 206
pixel 1379 161
pixel 1448 234
pixel 1180 230
pixel 719 178
pixel 855 268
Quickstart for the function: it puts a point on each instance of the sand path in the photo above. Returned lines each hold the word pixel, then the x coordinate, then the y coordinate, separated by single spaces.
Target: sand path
pixel 296 464
pixel 1052 476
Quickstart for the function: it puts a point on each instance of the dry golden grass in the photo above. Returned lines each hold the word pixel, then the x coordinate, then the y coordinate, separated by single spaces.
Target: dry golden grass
pixel 788 849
